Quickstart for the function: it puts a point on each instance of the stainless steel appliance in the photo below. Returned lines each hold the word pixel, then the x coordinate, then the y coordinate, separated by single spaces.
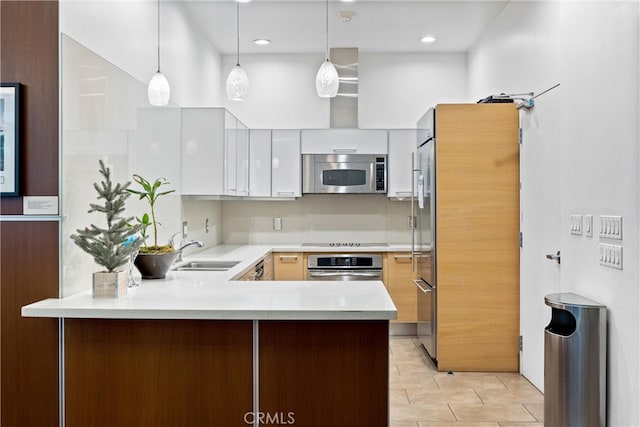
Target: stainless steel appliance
pixel 344 173
pixel 346 245
pixel 424 243
pixel 344 267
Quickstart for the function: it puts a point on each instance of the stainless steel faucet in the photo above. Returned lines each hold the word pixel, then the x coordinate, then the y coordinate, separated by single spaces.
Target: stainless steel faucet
pixel 187 243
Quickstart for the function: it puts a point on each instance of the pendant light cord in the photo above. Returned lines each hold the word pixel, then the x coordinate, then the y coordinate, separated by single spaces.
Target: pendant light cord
pixel 327 28
pixel 238 32
pixel 158 35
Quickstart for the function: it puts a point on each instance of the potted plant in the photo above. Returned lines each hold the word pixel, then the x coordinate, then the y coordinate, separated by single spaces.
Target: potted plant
pixel 154 261
pixel 112 245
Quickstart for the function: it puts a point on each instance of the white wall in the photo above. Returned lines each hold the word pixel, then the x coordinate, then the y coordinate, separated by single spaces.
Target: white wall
pixel 590 125
pixel 125 34
pixel 394 90
pixel 108 54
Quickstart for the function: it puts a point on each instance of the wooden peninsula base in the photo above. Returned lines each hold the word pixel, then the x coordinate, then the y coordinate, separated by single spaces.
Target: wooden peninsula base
pixel 203 372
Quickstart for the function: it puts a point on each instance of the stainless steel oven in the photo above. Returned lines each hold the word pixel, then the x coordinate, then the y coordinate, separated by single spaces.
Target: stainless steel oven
pixel 344 173
pixel 344 267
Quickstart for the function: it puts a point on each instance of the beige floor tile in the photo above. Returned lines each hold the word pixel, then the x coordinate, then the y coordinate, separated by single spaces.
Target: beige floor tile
pixel 491 412
pixel 398 396
pixel 403 424
pixel 415 366
pixel 465 380
pixel 508 424
pixel 536 409
pixel 459 424
pixel 412 381
pixel 523 395
pixel 423 412
pixel 443 395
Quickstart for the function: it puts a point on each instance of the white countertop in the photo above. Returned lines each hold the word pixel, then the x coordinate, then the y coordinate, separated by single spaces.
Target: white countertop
pixel 214 295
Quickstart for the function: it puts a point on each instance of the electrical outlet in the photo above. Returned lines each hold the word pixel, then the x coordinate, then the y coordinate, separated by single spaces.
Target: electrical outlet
pixel 206 225
pixel 575 223
pixel 611 227
pixel 277 223
pixel 588 225
pixel 411 222
pixel 185 229
pixel 611 256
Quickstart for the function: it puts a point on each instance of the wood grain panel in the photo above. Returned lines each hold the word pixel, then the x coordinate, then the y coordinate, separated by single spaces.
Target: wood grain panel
pixel 477 215
pixel 29 53
pixel 29 363
pixel 157 372
pixel 325 373
pixel 288 266
pixel 401 287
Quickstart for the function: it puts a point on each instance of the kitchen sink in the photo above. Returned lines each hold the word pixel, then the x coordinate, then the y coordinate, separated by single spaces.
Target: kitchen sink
pixel 206 266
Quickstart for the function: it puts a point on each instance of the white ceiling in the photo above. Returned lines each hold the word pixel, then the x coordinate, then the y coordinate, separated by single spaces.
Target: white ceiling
pixel 298 26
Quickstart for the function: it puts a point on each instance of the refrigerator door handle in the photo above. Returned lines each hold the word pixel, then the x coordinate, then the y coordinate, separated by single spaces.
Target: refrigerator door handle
pixel 413 221
pixel 421 192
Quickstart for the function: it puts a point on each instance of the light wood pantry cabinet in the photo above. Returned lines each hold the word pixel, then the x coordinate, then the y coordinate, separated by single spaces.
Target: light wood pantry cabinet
pixel 399 281
pixel 288 266
pixel 477 234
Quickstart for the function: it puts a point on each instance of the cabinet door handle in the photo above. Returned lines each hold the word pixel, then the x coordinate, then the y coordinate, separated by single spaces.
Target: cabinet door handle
pixel 402 256
pixel 283 257
pixel 422 288
pixel 344 150
pixel 285 193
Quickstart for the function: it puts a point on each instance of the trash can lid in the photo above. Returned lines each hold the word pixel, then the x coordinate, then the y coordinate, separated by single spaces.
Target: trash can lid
pixel 564 299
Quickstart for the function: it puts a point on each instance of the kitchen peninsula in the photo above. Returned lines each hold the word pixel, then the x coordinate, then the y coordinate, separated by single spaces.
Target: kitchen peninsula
pixel 198 348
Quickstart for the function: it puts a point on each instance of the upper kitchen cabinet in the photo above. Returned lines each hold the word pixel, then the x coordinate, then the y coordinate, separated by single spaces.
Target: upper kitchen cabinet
pixel 242 159
pixel 203 138
pixel 344 141
pixel 230 186
pixel 286 179
pixel 402 146
pixel 260 163
pixel 155 151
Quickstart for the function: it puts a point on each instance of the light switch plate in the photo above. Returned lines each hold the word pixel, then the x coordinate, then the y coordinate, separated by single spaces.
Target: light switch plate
pixel 575 224
pixel 611 227
pixel 588 225
pixel 611 256
pixel 277 223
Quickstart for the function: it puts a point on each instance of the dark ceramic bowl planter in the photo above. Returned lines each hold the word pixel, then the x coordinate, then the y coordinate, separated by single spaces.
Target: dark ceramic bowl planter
pixel 155 265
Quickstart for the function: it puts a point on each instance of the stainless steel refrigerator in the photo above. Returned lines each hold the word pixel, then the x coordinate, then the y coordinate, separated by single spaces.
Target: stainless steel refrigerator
pixel 424 243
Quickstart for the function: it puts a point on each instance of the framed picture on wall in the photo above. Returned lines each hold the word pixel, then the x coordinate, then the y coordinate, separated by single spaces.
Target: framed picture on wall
pixel 9 139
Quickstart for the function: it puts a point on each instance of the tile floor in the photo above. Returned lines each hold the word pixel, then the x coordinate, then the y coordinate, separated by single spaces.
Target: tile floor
pixel 423 397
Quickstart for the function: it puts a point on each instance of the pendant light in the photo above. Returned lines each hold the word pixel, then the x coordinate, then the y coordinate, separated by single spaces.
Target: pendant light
pixel 237 82
pixel 327 81
pixel 158 90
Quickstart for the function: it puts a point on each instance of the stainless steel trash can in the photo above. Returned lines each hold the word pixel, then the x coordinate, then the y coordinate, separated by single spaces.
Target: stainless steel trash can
pixel 575 351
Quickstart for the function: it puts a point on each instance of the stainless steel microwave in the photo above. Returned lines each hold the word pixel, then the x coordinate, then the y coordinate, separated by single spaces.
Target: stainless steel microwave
pixel 344 173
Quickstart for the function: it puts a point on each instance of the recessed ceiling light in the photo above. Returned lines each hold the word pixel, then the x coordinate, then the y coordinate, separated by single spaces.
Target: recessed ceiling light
pixel 428 39
pixel 243 1
pixel 261 42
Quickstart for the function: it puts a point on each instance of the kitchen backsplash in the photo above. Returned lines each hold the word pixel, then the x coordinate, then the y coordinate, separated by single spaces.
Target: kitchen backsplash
pixel 317 219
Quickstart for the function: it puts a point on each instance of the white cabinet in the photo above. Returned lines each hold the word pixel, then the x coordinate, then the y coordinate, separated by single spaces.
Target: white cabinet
pixel 242 159
pixel 202 144
pixel 402 143
pixel 344 141
pixel 286 178
pixel 260 163
pixel 230 155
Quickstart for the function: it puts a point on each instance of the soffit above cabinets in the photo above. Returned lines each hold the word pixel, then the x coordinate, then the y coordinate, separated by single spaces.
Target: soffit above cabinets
pixel 298 26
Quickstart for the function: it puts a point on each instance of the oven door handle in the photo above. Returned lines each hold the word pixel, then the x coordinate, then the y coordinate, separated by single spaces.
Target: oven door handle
pixel 342 273
pixel 422 288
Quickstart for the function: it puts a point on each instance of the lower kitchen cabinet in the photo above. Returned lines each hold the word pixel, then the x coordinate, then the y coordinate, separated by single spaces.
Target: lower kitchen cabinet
pixel 288 266
pixel 268 267
pixel 399 282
